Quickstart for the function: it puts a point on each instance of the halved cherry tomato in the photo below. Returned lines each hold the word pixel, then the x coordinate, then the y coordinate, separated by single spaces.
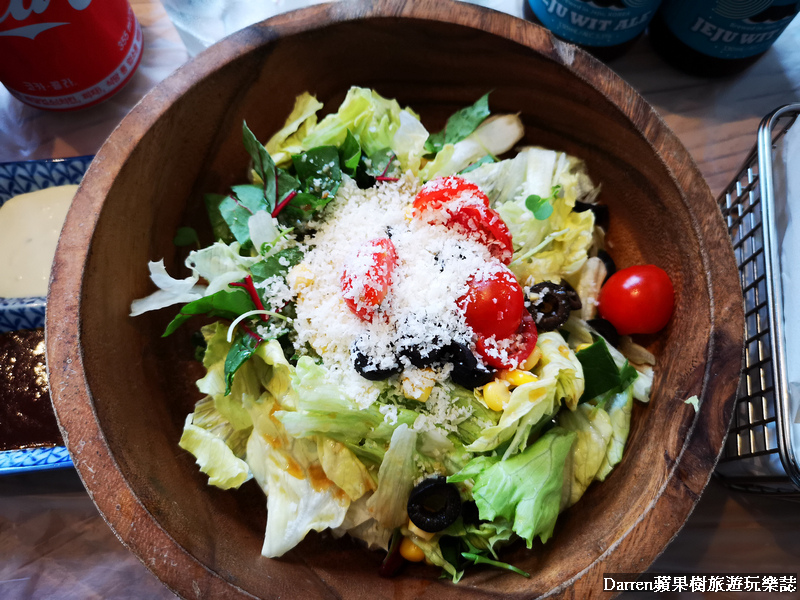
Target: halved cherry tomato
pixel 639 299
pixel 486 226
pixel 494 304
pixel 366 280
pixel 438 192
pixel 460 204
pixel 512 351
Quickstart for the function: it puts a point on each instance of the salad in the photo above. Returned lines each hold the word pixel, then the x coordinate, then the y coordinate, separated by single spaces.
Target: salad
pixel 403 342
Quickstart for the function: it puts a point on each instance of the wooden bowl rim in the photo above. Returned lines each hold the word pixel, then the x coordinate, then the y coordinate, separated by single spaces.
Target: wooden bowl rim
pixel 72 397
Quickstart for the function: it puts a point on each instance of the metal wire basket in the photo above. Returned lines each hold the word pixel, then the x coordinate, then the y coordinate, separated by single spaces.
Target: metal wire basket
pixel 759 454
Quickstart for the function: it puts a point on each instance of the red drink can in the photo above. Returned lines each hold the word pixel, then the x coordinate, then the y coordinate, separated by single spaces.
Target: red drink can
pixel 67 54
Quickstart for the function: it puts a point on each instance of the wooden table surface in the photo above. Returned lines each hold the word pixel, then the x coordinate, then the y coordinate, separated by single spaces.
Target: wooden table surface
pixel 53 542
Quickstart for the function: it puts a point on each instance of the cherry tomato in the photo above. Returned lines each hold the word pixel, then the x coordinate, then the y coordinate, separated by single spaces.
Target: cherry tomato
pixel 366 280
pixel 510 352
pixel 457 203
pixel 639 299
pixel 438 192
pixel 494 304
pixel 486 226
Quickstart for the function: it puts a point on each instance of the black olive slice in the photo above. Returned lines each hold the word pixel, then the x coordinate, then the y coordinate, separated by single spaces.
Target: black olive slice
pixel 368 370
pixel 467 371
pixel 606 329
pixel 434 504
pixel 552 308
pixel 371 368
pixel 573 299
pixel 430 355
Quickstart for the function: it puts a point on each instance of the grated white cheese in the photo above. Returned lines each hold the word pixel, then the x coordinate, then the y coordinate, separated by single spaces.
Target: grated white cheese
pixel 434 265
pixel 389 412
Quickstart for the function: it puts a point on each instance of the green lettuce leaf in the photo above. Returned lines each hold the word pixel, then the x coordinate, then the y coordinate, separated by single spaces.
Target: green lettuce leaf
pixel 343 468
pixel 395 479
pixel 320 407
pixel 619 410
pixel 560 377
pixel 214 457
pixel 559 361
pixel 593 430
pixel 218 446
pixel 524 490
pixel 227 304
pixel 601 372
pixel 300 121
pixel 300 498
pixel 370 118
pixel 459 125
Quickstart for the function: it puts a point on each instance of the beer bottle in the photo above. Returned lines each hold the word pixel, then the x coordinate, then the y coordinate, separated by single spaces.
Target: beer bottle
pixel 606 28
pixel 718 37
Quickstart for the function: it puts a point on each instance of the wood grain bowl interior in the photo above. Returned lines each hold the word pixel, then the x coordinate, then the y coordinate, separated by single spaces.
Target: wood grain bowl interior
pixel 121 392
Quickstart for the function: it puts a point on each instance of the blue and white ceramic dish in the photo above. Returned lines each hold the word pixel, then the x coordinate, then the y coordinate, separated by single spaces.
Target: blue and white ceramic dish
pixel 19 178
pixel 28 313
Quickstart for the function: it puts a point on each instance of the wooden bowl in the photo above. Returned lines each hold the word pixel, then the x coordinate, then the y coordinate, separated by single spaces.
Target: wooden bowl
pixel 121 392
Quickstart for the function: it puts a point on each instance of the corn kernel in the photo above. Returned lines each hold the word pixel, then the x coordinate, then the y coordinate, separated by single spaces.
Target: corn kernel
pixel 299 277
pixel 582 347
pixel 408 213
pixel 517 377
pixel 496 395
pixel 410 551
pixel 532 360
pixel 419 388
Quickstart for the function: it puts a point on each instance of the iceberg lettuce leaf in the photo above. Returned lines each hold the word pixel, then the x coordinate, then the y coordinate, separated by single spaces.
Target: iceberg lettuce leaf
pixel 300 498
pixel 301 120
pixel 214 457
pixel 619 410
pixel 343 468
pixel 170 291
pixel 371 118
pixel 358 523
pixel 560 362
pixel 593 430
pixel 395 479
pixel 525 490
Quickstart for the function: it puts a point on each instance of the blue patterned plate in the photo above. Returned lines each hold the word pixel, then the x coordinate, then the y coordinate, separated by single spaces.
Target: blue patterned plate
pixel 28 313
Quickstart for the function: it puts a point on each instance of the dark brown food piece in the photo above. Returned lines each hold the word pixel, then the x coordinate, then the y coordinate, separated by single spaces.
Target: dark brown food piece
pixel 26 415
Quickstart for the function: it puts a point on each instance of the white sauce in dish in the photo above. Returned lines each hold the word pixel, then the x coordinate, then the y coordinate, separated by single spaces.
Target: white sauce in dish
pixel 29 228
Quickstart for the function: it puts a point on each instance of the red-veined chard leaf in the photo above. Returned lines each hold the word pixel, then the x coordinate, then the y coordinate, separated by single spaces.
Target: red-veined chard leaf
pixel 225 304
pixel 263 164
pixel 460 125
pixel 186 236
pixel 350 154
pixel 302 207
pixel 382 164
pixel 244 345
pixel 601 373
pixel 481 161
pixel 219 227
pixel 276 264
pixel 318 171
